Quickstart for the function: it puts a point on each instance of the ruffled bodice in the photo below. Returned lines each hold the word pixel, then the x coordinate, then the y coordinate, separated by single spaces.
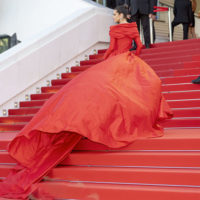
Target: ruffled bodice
pixel 121 38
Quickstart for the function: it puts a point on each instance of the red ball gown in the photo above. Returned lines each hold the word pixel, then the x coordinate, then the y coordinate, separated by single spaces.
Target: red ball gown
pixel 112 103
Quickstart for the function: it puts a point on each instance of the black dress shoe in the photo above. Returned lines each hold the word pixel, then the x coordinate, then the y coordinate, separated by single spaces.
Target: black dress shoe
pixel 196 81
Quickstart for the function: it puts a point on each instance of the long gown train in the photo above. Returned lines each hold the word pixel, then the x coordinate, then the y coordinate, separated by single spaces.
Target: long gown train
pixel 51 150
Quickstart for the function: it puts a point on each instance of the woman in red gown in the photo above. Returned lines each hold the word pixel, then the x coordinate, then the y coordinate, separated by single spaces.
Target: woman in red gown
pixel 112 103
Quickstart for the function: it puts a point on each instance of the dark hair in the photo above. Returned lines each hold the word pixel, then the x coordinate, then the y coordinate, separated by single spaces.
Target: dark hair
pixel 123 9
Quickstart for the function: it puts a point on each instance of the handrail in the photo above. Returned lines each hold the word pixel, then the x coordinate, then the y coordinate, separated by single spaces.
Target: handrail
pixel 161 9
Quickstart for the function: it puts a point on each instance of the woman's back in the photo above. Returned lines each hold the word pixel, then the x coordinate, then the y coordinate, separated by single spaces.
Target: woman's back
pixel 121 37
pixel 123 44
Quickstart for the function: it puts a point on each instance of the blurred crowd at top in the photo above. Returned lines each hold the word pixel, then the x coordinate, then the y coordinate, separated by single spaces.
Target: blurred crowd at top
pixel 141 11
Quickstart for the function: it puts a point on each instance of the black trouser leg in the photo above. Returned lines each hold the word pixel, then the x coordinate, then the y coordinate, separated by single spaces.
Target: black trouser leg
pixel 146 29
pixel 173 25
pixel 185 31
pixel 111 3
pixel 154 33
pixel 135 18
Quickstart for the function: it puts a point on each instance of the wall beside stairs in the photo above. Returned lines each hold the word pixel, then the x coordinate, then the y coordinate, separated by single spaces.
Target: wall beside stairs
pixel 27 63
pixel 29 17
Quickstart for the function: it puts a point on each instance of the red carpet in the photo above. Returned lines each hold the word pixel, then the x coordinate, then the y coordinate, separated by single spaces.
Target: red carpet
pixel 166 168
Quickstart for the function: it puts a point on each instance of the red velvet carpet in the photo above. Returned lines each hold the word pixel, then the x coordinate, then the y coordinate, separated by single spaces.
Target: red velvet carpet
pixel 166 168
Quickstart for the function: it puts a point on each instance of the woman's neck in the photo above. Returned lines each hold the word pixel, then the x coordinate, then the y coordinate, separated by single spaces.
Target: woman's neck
pixel 123 21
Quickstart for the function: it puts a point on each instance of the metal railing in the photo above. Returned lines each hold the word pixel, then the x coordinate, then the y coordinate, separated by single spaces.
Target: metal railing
pixel 168 9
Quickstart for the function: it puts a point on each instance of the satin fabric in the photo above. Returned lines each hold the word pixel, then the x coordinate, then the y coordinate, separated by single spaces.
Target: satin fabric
pixel 113 103
pixel 121 38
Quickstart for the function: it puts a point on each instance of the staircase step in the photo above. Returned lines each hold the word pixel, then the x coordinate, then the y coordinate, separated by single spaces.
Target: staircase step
pixel 150 60
pixel 155 55
pixel 117 191
pixel 182 122
pixel 118 158
pixel 80 68
pixel 190 42
pixel 5 169
pixel 101 51
pixel 5 158
pixel 60 81
pixel 173 139
pixel 185 103
pixel 163 47
pixel 167 67
pixel 150 175
pixel 164 60
pixel 35 103
pixel 167 49
pixel 127 158
pixel 51 89
pixel 184 65
pixel 179 79
pixel 186 112
pixel 181 112
pixel 5 138
pixel 96 56
pixel 188 52
pixel 90 62
pixel 43 96
pixel 177 95
pixel 163 69
pixel 178 72
pixel 11 127
pixel 24 111
pixel 180 87
pixel 175 66
pixel 70 75
pixel 166 46
pixel 15 119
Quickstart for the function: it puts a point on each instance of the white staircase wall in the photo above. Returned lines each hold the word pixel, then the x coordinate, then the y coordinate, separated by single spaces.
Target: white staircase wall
pixel 52 46
pixel 29 17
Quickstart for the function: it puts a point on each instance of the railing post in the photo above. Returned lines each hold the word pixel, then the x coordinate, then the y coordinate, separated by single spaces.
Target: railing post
pixel 170 26
pixel 104 2
pixel 151 30
pixel 141 33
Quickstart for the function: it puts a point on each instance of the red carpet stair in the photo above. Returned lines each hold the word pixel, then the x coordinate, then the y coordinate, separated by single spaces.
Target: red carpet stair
pixel 166 168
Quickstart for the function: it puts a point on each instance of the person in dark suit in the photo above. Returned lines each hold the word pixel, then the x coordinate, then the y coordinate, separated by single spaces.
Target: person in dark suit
pixel 182 15
pixel 111 3
pixel 142 10
pixel 192 33
pixel 120 2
